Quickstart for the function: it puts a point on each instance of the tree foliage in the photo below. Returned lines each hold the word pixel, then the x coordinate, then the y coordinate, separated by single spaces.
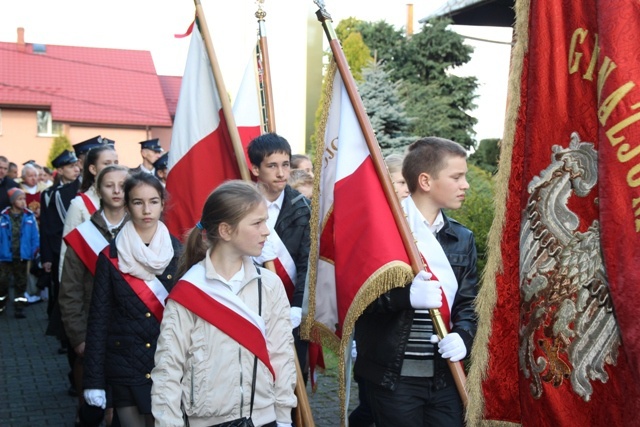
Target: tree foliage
pixel 487 155
pixel 384 108
pixel 357 53
pixel 60 143
pixel 477 211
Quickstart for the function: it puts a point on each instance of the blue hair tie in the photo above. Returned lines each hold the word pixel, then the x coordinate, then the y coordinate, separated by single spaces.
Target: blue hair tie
pixel 199 226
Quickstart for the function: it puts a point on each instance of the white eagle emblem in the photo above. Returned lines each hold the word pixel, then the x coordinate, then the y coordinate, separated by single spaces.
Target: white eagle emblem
pixel 568 329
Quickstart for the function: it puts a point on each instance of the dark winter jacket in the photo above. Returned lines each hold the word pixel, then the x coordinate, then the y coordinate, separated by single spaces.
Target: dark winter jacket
pixel 54 202
pixel 292 227
pixel 382 331
pixel 122 333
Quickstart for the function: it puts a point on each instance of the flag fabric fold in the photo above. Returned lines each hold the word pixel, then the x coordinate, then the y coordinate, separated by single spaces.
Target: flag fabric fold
pixel 558 341
pixel 201 155
pixel 357 252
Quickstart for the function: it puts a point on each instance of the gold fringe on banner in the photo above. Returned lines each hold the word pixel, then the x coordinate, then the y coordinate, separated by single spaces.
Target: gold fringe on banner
pixel 314 229
pixel 487 296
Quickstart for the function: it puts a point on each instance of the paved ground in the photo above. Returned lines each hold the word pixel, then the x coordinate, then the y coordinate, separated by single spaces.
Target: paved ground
pixel 33 390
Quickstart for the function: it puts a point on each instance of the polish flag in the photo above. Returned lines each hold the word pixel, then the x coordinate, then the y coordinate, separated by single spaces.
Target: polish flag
pixel 357 251
pixel 201 155
pixel 246 107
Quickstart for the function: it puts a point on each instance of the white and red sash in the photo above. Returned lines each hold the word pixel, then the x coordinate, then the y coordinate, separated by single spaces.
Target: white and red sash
pixel 91 207
pixel 284 264
pixel 223 309
pixel 152 293
pixel 435 259
pixel 87 242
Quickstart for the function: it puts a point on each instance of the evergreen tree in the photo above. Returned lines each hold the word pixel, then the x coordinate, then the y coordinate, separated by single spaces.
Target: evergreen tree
pixel 487 155
pixel 60 143
pixel 357 54
pixel 477 211
pixel 385 111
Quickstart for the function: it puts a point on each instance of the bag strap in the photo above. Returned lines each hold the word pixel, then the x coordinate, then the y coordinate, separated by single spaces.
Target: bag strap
pixel 255 358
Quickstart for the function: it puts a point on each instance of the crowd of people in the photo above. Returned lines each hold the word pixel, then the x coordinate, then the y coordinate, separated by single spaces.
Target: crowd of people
pixel 206 332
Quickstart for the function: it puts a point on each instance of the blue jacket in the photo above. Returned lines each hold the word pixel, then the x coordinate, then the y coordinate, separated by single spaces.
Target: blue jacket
pixel 29 236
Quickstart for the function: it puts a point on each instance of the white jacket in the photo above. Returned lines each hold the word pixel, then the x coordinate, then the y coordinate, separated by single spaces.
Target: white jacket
pixel 209 374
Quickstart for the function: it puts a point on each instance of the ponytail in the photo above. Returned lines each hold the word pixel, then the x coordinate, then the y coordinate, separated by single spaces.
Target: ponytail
pixel 193 251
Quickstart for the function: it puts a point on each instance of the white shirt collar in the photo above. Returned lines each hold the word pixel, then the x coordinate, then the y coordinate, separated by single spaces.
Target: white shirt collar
pixel 274 208
pixel 417 223
pixel 143 169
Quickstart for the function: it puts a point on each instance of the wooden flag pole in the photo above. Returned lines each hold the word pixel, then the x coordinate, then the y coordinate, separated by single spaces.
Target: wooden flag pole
pixel 302 414
pixel 457 368
pixel 266 70
pixel 222 93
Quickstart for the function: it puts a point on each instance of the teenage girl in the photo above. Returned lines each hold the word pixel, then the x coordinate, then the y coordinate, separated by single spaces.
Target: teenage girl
pixel 77 276
pixel 133 277
pixel 87 201
pixel 225 349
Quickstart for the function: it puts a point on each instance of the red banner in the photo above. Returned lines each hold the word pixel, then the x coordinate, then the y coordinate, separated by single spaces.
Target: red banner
pixel 559 312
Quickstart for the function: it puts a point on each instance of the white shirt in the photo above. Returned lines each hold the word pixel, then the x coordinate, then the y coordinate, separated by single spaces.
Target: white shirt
pixel 236 280
pixel 273 209
pixel 143 169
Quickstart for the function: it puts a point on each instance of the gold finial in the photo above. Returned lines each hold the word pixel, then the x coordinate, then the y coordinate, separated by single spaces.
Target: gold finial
pixel 260 13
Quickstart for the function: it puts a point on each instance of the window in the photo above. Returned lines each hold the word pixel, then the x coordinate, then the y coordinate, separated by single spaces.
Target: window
pixel 46 126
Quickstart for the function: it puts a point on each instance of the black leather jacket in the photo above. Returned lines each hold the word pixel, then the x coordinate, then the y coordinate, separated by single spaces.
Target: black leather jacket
pixel 292 226
pixel 382 331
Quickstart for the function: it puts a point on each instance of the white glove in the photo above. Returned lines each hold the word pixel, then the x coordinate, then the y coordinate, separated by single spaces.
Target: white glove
pixel 452 347
pixel 425 294
pixel 296 316
pixel 279 424
pixel 268 253
pixel 354 350
pixel 95 397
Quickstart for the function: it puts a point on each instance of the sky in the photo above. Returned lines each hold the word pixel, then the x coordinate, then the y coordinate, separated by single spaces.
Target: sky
pixel 151 24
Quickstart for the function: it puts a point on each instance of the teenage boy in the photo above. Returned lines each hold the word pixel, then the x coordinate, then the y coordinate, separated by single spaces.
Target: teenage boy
pixel 408 382
pixel 288 222
pixel 150 151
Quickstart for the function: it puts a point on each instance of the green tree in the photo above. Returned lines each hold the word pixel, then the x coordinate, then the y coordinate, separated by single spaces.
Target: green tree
pixel 60 143
pixel 384 41
pixel 357 54
pixel 477 211
pixel 440 108
pixel 487 155
pixel 386 112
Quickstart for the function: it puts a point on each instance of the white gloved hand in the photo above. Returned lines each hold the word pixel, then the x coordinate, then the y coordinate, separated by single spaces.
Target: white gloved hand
pixel 268 253
pixel 425 294
pixel 296 316
pixel 279 424
pixel 95 397
pixel 452 347
pixel 354 350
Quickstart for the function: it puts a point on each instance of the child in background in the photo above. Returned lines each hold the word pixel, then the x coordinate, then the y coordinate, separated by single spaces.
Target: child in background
pixel 394 165
pixel 302 161
pixel 19 242
pixel 220 368
pixel 301 180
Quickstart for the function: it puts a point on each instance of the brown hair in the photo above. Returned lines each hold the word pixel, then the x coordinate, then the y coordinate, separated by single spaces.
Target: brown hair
pixel 91 159
pixel 229 203
pixel 104 172
pixel 428 155
pixel 299 177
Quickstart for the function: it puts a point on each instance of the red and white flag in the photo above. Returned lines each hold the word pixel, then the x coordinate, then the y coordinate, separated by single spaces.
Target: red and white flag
pixel 246 106
pixel 201 155
pixel 348 265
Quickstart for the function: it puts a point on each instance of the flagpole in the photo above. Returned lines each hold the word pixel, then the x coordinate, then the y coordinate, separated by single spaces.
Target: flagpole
pixel 457 369
pixel 303 416
pixel 266 69
pixel 222 92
